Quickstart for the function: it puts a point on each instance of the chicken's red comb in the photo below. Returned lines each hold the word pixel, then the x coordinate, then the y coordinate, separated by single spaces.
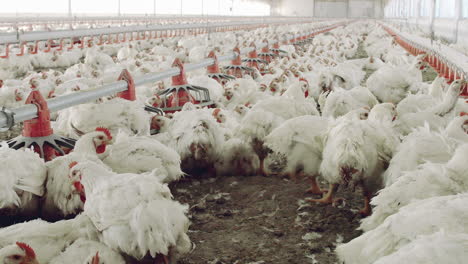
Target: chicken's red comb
pixel 27 249
pixel 95 259
pixel 106 131
pixel 463 114
pixel 304 80
pixel 216 111
pixel 72 164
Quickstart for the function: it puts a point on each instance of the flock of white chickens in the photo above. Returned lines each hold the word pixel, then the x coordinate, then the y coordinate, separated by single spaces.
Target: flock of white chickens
pixel 402 141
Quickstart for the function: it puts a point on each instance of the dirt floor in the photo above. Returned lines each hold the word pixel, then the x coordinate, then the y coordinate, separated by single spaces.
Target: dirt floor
pixel 14 132
pixel 263 220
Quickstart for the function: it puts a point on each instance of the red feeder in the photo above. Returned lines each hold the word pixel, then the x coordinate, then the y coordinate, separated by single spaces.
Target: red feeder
pixel 175 97
pixel 215 73
pixel 265 53
pixel 464 89
pixel 38 133
pixel 7 51
pixel 130 93
pixel 236 68
pixel 252 60
pixel 276 49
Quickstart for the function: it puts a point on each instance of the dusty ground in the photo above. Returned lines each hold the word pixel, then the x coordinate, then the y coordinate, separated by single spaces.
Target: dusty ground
pixel 15 131
pixel 253 219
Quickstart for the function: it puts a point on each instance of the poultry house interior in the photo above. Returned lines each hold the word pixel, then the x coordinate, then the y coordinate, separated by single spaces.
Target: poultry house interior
pixel 234 132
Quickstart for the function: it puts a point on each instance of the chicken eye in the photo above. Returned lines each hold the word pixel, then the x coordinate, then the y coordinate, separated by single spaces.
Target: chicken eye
pixel 101 138
pixel 16 257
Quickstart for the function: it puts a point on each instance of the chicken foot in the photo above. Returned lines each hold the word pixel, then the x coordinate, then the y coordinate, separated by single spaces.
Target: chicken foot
pixel 328 197
pixel 315 188
pixel 161 259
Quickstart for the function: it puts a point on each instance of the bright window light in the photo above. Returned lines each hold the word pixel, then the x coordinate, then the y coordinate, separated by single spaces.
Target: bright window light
pixel 93 6
pixel 168 7
pixel 445 8
pixel 465 8
pixel 250 8
pixel 31 6
pixel 128 7
pixel 425 8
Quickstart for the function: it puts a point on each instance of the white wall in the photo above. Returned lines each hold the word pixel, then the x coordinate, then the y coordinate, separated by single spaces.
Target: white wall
pixel 297 7
pixel 331 8
pixel 361 8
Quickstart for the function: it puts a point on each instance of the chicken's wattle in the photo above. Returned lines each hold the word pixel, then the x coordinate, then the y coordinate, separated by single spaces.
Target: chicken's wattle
pixel 80 189
pixel 101 149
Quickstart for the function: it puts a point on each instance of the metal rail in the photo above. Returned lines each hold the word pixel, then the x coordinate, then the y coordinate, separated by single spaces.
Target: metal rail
pixel 16 38
pixel 93 19
pixel 9 117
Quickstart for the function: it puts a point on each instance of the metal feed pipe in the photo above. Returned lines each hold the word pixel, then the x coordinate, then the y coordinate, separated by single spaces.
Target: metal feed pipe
pixel 16 23
pixel 13 38
pixel 21 39
pixel 8 117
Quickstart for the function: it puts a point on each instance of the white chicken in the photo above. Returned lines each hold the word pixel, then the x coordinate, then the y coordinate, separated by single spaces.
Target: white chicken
pixel 424 145
pixel 237 157
pixel 61 198
pixel 116 114
pixel 347 75
pixel 355 153
pixel 440 247
pixel 340 101
pixel 301 141
pixel 126 53
pixel 22 176
pixel 134 213
pixel 437 116
pixel 428 180
pixel 373 64
pixel 45 240
pixel 411 222
pixel 197 137
pixel 139 154
pixel 392 84
pixel 84 251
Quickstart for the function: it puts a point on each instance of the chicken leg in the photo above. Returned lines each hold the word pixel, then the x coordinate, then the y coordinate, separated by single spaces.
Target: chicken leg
pixel 328 198
pixel 367 210
pixel 293 175
pixel 261 169
pixel 161 259
pixel 315 188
